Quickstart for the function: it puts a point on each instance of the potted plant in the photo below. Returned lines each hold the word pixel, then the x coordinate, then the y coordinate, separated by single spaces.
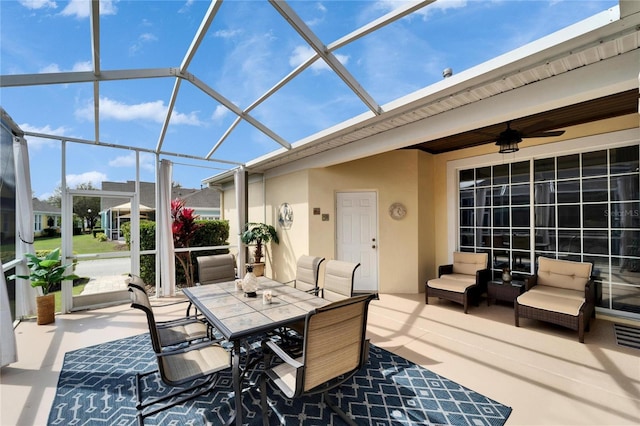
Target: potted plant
pixel 259 233
pixel 46 271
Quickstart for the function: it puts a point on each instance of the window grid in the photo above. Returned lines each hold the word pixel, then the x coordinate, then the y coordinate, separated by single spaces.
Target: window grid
pixel 582 207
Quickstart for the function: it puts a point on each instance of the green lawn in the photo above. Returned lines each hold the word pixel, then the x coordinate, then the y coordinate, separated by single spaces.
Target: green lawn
pixel 82 244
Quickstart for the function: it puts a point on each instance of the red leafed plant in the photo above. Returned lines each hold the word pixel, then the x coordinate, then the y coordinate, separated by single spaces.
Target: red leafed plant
pixel 184 228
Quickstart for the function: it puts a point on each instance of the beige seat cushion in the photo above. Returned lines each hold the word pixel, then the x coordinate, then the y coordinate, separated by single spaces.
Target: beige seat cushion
pixel 559 292
pixel 563 273
pixel 467 279
pixel 457 286
pixel 551 302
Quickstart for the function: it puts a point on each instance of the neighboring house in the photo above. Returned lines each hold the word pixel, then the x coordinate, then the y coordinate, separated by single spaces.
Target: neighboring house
pixel 45 216
pixel 115 211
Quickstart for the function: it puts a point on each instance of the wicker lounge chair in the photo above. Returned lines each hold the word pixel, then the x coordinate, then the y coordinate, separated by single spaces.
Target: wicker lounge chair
pixel 176 366
pixel 465 279
pixel 335 348
pixel 561 292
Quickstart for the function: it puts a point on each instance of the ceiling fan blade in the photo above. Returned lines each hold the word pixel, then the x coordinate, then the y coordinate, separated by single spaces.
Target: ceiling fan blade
pixel 544 134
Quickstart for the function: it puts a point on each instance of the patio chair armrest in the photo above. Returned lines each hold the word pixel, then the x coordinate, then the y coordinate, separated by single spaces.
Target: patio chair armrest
pixel 179 321
pixel 192 347
pixel 445 269
pixel 278 351
pixel 483 276
pixel 530 282
pixel 589 291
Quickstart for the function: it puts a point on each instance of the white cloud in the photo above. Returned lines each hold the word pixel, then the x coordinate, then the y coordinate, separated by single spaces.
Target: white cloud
pixel 78 66
pixel 155 111
pixel 219 113
pixel 38 4
pixel 390 5
pixel 320 19
pixel 95 178
pixel 186 7
pixel 51 68
pixel 83 66
pixel 143 39
pixel 36 143
pixel 302 53
pixel 227 34
pixel 82 8
pixel 129 161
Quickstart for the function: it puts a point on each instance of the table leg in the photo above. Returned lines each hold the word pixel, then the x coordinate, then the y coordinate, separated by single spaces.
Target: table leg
pixel 236 373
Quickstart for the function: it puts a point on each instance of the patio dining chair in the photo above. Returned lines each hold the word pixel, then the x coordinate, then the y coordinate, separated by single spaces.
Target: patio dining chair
pixel 338 280
pixel 171 332
pixel 334 349
pixel 193 367
pixel 307 271
pixel 338 285
pixel 215 269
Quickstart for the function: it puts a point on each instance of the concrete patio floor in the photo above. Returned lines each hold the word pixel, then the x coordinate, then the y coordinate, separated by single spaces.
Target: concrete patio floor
pixel 539 370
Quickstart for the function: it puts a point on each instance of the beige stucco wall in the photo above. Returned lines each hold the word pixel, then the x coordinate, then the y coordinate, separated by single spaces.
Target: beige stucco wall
pixel 409 250
pixel 403 252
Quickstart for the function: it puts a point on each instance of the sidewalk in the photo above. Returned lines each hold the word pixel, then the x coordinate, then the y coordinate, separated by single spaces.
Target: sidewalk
pixel 104 274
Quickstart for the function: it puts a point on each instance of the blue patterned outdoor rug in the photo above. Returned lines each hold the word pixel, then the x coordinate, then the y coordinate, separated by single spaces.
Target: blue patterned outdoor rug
pixel 96 387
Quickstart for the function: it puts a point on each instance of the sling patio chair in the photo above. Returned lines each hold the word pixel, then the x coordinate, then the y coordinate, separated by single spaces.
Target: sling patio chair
pixel 334 349
pixel 307 273
pixel 215 269
pixel 338 280
pixel 338 284
pixel 172 332
pixel 177 366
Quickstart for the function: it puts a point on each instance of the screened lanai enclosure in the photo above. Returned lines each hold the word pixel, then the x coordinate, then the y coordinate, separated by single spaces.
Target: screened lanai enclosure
pixel 232 94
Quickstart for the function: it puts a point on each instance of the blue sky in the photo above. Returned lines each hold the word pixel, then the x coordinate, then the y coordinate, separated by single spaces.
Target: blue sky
pixel 247 50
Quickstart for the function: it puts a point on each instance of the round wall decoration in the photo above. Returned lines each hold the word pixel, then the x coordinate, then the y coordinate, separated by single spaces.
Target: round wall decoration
pixel 397 211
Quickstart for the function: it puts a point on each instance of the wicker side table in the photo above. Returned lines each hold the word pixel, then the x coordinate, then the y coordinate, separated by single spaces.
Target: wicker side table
pixel 506 292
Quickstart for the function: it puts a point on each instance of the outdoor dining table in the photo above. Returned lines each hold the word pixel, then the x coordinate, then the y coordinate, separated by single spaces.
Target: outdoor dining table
pixel 239 318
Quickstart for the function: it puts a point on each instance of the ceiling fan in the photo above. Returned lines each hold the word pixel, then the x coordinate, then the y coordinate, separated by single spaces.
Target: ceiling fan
pixel 508 139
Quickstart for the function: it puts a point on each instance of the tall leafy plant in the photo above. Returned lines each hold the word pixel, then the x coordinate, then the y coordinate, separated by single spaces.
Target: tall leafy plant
pixel 46 271
pixel 184 228
pixel 259 233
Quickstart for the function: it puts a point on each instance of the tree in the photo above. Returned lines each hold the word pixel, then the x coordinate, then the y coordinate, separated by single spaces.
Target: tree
pixel 56 198
pixel 86 208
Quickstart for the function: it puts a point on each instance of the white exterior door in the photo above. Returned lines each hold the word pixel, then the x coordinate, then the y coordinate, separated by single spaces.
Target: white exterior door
pixel 357 239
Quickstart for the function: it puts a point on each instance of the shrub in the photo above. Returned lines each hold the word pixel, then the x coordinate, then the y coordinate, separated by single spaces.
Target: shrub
pixel 101 236
pixel 211 233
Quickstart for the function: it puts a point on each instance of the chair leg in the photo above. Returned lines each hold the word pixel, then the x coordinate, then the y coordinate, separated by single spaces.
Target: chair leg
pixel 515 311
pixel 263 400
pixel 426 293
pixel 143 406
pixel 337 409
